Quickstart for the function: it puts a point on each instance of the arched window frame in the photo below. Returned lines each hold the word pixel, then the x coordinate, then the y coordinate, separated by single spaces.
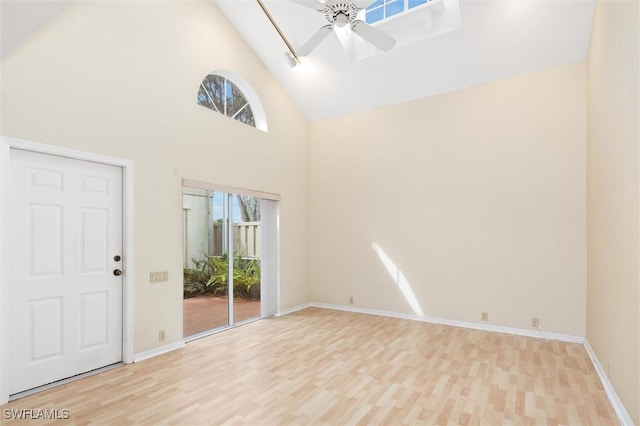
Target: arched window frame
pixel 249 94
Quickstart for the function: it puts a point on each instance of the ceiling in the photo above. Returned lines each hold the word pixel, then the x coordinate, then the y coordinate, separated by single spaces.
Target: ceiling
pixel 21 18
pixel 496 39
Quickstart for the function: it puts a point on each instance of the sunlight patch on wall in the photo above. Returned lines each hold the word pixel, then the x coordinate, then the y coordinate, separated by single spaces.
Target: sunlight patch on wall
pixel 401 281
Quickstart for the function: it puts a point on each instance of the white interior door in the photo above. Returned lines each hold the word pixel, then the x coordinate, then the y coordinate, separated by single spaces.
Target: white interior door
pixel 65 291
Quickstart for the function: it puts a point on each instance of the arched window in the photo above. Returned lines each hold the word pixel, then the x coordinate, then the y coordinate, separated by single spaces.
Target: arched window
pixel 228 94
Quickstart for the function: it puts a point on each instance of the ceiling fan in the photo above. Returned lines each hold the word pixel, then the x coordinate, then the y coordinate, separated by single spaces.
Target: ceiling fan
pixel 340 13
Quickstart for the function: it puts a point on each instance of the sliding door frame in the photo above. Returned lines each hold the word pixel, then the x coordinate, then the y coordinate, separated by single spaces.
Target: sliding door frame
pixel 228 231
pixel 270 281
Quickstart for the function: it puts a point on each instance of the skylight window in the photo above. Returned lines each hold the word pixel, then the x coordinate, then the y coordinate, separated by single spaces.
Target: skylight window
pixel 383 9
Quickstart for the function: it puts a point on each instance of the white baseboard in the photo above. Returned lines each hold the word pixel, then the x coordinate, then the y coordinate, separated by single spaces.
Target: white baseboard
pixel 293 309
pixel 454 323
pixel 158 351
pixel 621 412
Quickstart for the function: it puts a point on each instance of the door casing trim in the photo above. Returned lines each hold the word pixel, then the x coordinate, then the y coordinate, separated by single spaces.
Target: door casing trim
pixel 8 143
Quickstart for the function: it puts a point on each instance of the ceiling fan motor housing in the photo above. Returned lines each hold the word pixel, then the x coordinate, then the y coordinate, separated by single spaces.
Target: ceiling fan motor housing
pixel 341 13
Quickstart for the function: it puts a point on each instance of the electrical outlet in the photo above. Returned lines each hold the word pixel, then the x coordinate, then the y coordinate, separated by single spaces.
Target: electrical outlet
pixel 161 336
pixel 351 299
pixel 484 316
pixel 535 322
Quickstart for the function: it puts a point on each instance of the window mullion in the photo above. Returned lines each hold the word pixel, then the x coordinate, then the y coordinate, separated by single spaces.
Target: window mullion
pixel 240 110
pixel 225 96
pixel 209 96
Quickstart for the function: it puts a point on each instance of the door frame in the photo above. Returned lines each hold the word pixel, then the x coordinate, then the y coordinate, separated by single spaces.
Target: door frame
pixel 8 143
pixel 269 294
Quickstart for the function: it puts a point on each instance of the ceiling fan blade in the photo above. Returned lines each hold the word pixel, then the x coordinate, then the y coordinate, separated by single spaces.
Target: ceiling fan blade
pixel 361 4
pixel 315 40
pixel 373 35
pixel 311 4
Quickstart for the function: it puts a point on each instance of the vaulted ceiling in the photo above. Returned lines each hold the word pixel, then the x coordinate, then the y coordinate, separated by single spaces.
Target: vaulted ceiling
pixel 493 39
pixel 21 18
pixel 497 39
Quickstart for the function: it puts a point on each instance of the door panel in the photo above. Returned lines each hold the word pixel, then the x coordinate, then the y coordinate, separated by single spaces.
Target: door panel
pixel 45 331
pixel 65 310
pixel 94 233
pixel 94 319
pixel 205 295
pixel 246 258
pixel 45 238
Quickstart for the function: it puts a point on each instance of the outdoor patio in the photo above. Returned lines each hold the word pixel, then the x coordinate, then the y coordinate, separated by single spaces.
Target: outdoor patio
pixel 207 312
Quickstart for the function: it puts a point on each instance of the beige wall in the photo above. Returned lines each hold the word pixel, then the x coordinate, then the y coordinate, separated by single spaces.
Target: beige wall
pixel 476 200
pixel 613 173
pixel 121 78
pixel 471 201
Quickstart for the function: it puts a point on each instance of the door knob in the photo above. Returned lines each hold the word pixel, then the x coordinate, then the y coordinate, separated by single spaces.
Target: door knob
pixel 117 272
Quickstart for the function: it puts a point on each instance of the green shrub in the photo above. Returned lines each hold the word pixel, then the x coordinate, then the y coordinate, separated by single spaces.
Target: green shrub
pixel 210 276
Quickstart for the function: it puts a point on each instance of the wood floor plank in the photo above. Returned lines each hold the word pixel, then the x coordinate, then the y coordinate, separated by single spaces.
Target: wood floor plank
pixel 325 367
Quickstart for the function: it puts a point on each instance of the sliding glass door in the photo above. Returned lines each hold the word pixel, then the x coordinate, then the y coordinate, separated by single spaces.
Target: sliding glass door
pixel 246 259
pixel 205 293
pixel 222 261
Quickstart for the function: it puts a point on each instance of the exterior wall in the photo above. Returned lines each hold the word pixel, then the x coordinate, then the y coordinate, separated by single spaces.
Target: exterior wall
pixel 196 218
pixel 201 237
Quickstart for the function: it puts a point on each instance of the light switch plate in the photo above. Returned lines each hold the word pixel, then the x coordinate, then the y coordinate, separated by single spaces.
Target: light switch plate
pixel 158 277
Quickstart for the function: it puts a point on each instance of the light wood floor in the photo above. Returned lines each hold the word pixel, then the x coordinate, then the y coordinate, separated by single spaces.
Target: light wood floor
pixel 321 366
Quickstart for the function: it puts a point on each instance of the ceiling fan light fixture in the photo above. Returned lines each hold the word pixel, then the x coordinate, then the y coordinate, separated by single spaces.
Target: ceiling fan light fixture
pixel 341 20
